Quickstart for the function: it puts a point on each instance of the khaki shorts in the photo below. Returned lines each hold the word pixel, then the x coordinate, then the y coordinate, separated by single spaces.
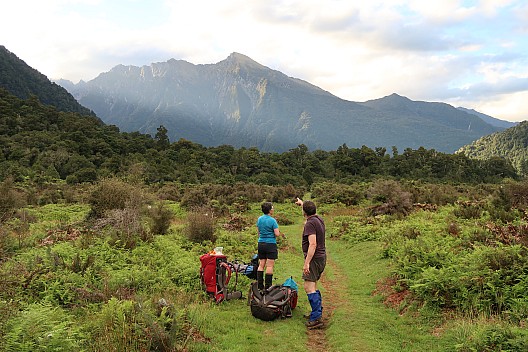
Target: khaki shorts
pixel 317 266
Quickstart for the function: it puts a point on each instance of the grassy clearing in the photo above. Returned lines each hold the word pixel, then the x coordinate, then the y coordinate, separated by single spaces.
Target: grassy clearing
pixel 359 321
pixel 128 283
pixel 230 325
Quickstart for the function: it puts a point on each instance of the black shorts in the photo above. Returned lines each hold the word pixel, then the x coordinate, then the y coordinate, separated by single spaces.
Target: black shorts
pixel 267 250
pixel 317 266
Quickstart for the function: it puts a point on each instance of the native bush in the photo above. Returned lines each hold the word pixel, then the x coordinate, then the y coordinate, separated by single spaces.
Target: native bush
pixel 389 198
pixel 488 337
pixel 41 327
pixel 332 193
pixel 114 194
pixel 11 199
pixel 354 229
pixel 160 219
pixel 200 225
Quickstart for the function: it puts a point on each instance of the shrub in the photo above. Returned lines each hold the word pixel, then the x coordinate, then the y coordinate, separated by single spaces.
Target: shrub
pixel 10 198
pixel 195 197
pixel 517 193
pixel 331 193
pixel 170 192
pixel 394 201
pixel 439 194
pixel 468 210
pixel 283 219
pixel 353 229
pixel 160 219
pixel 117 328
pixel 127 227
pixel 494 338
pixel 131 326
pixel 4 242
pixel 200 225
pixel 113 193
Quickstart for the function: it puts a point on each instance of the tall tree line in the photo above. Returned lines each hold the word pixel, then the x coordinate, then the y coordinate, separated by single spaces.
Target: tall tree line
pixel 42 144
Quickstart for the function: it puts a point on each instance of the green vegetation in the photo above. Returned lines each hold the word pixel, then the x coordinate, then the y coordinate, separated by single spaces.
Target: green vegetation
pixel 403 274
pixel 509 144
pixel 39 145
pixel 24 82
pixel 101 233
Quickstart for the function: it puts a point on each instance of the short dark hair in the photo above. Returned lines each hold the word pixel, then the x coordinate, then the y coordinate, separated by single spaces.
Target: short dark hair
pixel 266 207
pixel 309 207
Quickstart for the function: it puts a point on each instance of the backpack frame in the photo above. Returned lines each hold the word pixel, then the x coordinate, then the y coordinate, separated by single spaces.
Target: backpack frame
pixel 277 301
pixel 215 274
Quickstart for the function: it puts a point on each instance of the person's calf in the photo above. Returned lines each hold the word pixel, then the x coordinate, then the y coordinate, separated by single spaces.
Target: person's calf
pixel 260 280
pixel 268 281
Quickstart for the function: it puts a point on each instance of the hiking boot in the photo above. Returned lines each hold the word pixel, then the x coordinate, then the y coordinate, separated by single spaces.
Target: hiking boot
pixel 314 324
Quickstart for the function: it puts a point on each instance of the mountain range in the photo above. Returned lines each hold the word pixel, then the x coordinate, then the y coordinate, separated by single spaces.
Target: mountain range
pixel 242 103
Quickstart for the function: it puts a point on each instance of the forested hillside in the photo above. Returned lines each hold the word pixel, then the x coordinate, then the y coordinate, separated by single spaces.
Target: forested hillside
pixel 38 142
pixel 511 144
pixel 23 81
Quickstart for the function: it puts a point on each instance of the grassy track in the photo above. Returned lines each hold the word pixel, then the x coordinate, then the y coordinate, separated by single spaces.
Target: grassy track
pixel 356 319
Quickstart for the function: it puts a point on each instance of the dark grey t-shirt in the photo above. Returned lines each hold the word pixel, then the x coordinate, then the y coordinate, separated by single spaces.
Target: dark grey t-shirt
pixel 314 225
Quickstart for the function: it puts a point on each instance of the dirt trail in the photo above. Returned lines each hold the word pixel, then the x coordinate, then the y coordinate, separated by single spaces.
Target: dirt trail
pixel 317 340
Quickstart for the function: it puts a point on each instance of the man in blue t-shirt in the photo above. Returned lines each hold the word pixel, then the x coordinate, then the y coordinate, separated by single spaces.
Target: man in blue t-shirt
pixel 268 230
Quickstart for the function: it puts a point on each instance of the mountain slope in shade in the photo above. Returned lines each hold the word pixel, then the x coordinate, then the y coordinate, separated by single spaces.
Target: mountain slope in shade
pixel 22 81
pixel 489 119
pixel 511 144
pixel 240 102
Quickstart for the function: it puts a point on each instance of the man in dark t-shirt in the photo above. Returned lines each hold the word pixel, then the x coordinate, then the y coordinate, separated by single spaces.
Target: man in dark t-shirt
pixel 314 250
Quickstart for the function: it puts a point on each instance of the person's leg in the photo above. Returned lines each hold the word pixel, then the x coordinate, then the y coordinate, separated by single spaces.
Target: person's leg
pixel 260 274
pixel 262 264
pixel 269 273
pixel 310 286
pixel 270 263
pixel 314 295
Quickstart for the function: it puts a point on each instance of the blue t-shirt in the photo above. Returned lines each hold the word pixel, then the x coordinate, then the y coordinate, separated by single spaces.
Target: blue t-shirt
pixel 266 226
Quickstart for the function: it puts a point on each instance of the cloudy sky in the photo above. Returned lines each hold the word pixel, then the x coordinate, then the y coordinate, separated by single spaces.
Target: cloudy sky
pixel 466 53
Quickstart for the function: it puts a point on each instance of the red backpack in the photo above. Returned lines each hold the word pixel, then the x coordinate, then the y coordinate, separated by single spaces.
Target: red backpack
pixel 215 274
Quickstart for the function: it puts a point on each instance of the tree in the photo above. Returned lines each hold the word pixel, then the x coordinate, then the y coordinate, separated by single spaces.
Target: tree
pixel 162 138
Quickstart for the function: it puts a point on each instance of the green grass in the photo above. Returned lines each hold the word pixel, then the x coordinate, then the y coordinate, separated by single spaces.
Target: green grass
pixel 360 321
pixel 168 267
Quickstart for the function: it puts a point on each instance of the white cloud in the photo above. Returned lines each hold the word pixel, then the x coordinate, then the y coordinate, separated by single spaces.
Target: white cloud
pixel 436 50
